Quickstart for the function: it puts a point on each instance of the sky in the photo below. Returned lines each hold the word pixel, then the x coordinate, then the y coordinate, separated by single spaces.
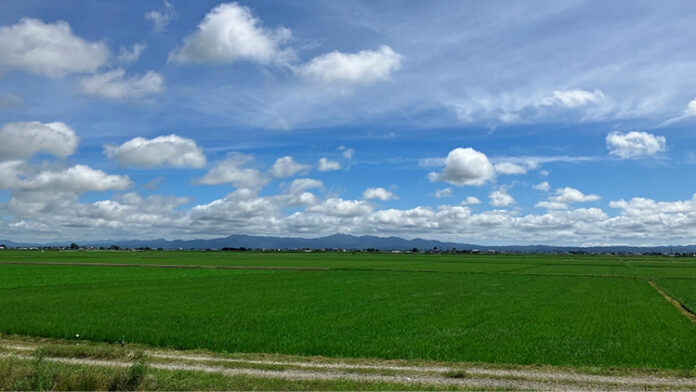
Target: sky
pixel 544 122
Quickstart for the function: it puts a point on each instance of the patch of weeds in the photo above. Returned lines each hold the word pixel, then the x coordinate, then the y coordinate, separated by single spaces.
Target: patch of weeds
pixel 41 375
pixel 458 373
pixel 131 379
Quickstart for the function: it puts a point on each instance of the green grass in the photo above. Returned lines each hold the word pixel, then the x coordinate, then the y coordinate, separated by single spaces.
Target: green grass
pixel 487 317
pixel 683 290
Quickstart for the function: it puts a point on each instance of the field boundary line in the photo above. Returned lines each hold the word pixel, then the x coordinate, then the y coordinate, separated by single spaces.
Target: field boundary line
pixel 513 272
pixel 168 266
pixel 680 307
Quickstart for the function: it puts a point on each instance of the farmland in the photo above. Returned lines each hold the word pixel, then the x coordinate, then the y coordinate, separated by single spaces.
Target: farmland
pixel 558 310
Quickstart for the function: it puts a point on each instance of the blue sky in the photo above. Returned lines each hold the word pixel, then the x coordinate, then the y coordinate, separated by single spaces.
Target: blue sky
pixel 494 123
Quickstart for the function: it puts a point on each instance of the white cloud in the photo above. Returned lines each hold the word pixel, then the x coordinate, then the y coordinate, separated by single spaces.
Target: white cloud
pixel 113 85
pixel 229 33
pixel 470 200
pixel 574 98
pixel 9 170
pixel 160 19
pixel 300 185
pixel 465 166
pixel 442 193
pixel 690 110
pixel 347 153
pixel 552 205
pixel 572 195
pixel 635 144
pixel 328 165
pixel 378 193
pixel 542 186
pixel 48 49
pixel 77 179
pixel 342 208
pixel 286 167
pixel 130 55
pixel 21 140
pixel 231 170
pixel 500 198
pixel 10 101
pixel 169 150
pixel 509 168
pixel 364 67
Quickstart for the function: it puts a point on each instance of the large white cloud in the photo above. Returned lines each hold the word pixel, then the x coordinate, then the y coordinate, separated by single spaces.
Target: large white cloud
pixel 465 166
pixel 378 193
pixel 364 67
pixel 76 179
pixel 169 150
pixel 114 85
pixel 286 167
pixel 229 33
pixel 232 170
pixel 635 144
pixel 48 49
pixel 21 140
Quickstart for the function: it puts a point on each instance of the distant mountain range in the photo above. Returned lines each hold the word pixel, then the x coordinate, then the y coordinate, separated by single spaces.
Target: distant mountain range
pixel 345 241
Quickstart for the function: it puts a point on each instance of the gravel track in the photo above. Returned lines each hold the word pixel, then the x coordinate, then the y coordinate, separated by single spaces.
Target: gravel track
pixel 475 377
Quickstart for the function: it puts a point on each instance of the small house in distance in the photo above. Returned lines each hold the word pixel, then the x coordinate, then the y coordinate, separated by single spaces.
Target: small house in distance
pixel 2 246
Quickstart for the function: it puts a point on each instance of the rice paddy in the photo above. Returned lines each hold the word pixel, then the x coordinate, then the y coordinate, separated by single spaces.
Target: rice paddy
pixel 597 311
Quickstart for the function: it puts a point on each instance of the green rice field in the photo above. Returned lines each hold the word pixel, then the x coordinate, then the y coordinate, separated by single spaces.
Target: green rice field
pixel 597 311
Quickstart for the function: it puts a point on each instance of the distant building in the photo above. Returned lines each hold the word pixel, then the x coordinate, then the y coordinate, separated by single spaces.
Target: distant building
pixel 3 247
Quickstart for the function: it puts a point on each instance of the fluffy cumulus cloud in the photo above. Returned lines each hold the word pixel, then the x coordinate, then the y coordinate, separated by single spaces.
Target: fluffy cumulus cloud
pixel 465 166
pixel 543 186
pixel 379 194
pixel 635 144
pixel 572 195
pixel 326 164
pixel 565 196
pixel 48 49
pixel 169 150
pixel 500 198
pixel 471 200
pixel 115 85
pixel 690 110
pixel 76 179
pixel 160 18
pixel 286 167
pixel 21 140
pixel 232 170
pixel 229 33
pixel 364 67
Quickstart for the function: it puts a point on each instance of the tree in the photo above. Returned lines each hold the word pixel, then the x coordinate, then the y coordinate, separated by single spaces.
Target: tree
pixel 74 246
